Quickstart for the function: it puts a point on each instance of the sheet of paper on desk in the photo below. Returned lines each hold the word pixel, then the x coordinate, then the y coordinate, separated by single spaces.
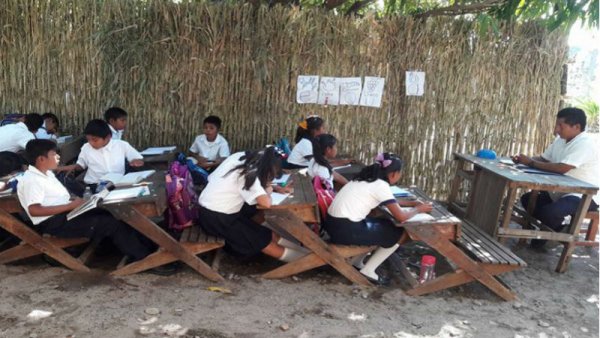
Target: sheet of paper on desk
pixel 531 170
pixel 418 217
pixel 64 139
pixel 342 167
pixel 283 179
pixel 157 150
pixel 129 179
pixel 506 161
pixel 399 192
pixel 120 194
pixel 277 198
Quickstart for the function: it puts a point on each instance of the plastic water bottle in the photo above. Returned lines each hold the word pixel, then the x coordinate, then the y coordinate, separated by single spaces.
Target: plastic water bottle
pixel 427 268
pixel 87 194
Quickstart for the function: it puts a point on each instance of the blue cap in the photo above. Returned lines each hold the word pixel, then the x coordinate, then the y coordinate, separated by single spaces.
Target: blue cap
pixel 487 154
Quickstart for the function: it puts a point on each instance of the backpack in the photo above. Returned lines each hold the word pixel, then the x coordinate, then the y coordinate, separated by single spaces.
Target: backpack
pixel 284 145
pixel 325 195
pixel 199 174
pixel 182 200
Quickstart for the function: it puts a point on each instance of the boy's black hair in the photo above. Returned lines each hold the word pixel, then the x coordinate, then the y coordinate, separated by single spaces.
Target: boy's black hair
pixel 376 170
pixel 312 123
pixel 97 128
pixel 573 116
pixel 264 165
pixel 34 121
pixel 36 148
pixel 212 119
pixel 320 144
pixel 114 113
pixel 10 162
pixel 51 116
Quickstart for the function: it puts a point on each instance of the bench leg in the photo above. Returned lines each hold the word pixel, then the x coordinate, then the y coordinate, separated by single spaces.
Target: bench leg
pixel 312 261
pixel 32 238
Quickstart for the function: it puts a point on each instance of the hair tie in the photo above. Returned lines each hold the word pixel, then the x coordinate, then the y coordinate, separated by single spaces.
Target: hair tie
pixel 303 125
pixel 381 159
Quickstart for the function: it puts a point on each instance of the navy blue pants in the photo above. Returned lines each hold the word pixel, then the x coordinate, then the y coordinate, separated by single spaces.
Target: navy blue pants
pixel 553 213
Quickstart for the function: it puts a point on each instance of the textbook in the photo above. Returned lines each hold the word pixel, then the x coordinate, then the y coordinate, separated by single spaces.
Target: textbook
pixel 90 204
pixel 277 198
pixel 120 180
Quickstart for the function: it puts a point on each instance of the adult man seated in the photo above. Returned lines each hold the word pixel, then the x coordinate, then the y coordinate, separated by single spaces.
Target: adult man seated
pixel 573 153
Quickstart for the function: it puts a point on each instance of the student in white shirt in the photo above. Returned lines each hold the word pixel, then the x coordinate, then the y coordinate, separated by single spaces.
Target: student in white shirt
pixel 210 148
pixel 222 214
pixel 102 155
pixel 47 203
pixel 14 137
pixel 308 129
pixel 573 153
pixel 324 149
pixel 49 130
pixel 347 222
pixel 117 121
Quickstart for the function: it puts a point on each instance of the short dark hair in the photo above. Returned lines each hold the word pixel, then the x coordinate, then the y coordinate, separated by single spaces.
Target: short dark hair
pixel 212 119
pixel 51 116
pixel 114 113
pixel 37 147
pixel 33 121
pixel 97 128
pixel 9 163
pixel 573 116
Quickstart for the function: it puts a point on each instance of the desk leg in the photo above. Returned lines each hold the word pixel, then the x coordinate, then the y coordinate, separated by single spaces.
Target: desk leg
pixel 287 221
pixel 453 196
pixel 508 208
pixel 462 261
pixel 565 257
pixel 149 229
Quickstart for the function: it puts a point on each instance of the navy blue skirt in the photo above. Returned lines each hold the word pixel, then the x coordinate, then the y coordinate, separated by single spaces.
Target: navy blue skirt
pixel 371 231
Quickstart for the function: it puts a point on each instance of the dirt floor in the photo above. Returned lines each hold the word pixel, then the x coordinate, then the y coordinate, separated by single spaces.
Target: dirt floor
pixel 315 304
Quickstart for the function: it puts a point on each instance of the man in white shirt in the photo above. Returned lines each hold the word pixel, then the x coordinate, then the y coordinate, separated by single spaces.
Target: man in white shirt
pixel 117 121
pixel 14 137
pixel 574 153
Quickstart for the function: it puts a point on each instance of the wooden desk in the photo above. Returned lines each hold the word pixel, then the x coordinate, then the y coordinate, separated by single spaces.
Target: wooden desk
pixel 495 185
pixel 160 162
pixel 289 218
pixel 69 151
pixel 137 212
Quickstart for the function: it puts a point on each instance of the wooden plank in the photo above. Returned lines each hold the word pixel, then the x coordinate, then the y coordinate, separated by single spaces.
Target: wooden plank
pixel 25 250
pixel 294 226
pixel 10 204
pixel 29 236
pixel 508 207
pixel 312 261
pixel 536 234
pixel 485 201
pixel 496 246
pixel 576 221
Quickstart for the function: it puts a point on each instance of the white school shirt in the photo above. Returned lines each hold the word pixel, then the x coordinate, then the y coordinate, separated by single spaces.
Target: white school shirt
pixel 315 169
pixel 582 152
pixel 357 198
pixel 210 150
pixel 36 187
pixel 108 159
pixel 300 151
pixel 14 137
pixel 116 134
pixel 42 134
pixel 231 162
pixel 226 194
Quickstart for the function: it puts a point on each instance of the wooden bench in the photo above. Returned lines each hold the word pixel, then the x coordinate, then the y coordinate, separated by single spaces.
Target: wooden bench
pixel 193 239
pixel 591 231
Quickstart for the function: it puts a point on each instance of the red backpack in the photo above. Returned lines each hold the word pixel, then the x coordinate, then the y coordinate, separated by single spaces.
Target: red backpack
pixel 325 195
pixel 182 200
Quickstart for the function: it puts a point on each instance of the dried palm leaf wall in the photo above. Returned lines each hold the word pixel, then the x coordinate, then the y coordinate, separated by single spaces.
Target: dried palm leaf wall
pixel 169 65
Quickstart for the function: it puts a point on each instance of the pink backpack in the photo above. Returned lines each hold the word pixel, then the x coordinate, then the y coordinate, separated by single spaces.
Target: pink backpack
pixel 182 200
pixel 325 195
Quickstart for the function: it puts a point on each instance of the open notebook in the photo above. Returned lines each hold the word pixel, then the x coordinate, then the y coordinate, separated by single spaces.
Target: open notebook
pixel 277 198
pixel 88 205
pixel 120 180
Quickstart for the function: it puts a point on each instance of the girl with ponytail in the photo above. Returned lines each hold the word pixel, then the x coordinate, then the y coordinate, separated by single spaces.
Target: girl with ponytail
pixel 347 222
pixel 307 130
pixel 324 150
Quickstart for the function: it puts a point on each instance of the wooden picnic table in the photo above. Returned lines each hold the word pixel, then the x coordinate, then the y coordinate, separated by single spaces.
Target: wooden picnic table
pixel 160 162
pixel 69 150
pixel 493 192
pixel 137 212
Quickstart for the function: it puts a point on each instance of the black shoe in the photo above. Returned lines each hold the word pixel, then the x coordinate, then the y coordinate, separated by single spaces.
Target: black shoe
pixel 380 281
pixel 538 245
pixel 165 270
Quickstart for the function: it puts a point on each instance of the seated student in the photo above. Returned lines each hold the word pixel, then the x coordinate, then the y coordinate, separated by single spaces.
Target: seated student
pixel 308 129
pixel 347 222
pixel 49 130
pixel 47 203
pixel 210 148
pixel 222 213
pixel 117 121
pixel 14 137
pixel 573 153
pixel 324 149
pixel 102 155
pixel 11 165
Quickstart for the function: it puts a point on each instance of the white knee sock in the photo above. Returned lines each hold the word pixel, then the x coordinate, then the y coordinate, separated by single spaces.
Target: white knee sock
pixel 359 261
pixel 292 245
pixel 378 257
pixel 290 255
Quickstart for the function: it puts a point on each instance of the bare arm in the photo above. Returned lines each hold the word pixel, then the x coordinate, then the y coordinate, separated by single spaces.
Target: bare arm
pixel 543 164
pixel 37 210
pixel 402 216
pixel 339 178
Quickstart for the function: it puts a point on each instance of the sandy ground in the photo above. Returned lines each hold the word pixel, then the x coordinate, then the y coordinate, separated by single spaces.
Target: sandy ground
pixel 316 304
